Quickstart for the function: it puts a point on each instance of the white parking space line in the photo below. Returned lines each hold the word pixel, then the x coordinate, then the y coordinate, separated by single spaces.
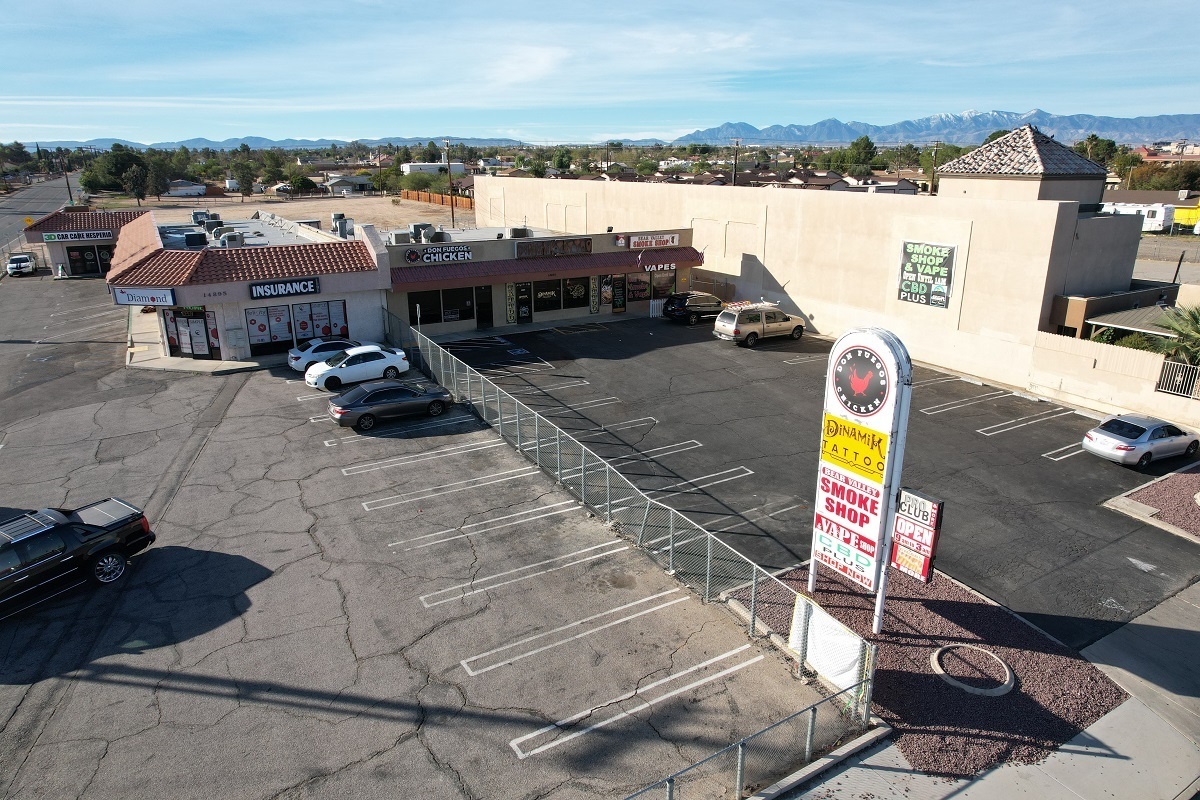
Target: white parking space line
pixel 1021 422
pixel 641 691
pixel 696 484
pixel 80 319
pixel 573 409
pixel 303 397
pixel 488 582
pixel 807 358
pixel 294 380
pixel 450 488
pixel 412 458
pixel 514 366
pixel 114 321
pixel 954 404
pixel 590 433
pixel 1065 451
pixel 544 389
pixel 322 418
pixel 486 526
pixel 354 438
pixel 655 452
pixel 466 662
pixel 746 519
pixel 929 381
pixel 81 308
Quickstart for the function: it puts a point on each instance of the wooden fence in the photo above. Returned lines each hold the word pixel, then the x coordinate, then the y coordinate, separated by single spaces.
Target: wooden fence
pixel 438 199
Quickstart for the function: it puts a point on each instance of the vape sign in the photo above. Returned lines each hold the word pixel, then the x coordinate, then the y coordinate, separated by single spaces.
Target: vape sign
pixel 862 441
pixel 915 534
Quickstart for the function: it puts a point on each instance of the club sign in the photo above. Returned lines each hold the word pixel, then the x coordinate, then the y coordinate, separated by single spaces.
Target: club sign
pixel 862 442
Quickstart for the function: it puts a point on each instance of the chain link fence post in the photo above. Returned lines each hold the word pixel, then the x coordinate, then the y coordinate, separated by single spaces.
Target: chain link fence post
pixel 608 494
pixel 708 571
pixel 753 602
pixel 558 451
pixel 740 778
pixel 537 441
pixel 517 414
pixel 808 736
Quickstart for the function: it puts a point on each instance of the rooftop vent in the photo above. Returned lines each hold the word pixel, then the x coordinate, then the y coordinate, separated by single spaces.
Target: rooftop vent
pixel 233 239
pixel 399 237
pixel 518 233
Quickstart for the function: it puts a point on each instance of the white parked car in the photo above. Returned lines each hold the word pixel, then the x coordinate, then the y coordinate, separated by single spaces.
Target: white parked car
pixel 314 350
pixel 21 264
pixel 1138 440
pixel 364 363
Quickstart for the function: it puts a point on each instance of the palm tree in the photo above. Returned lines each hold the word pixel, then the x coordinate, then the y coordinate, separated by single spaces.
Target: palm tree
pixel 1184 322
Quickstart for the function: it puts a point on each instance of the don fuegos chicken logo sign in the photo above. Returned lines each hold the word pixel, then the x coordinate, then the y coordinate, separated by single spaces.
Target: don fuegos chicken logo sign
pixel 862 448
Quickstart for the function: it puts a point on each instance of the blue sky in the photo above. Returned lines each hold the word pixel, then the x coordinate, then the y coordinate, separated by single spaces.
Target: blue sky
pixel 580 72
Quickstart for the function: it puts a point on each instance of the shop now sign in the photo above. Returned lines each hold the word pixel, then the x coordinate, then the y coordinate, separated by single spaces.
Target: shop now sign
pixel 259 291
pixel 76 236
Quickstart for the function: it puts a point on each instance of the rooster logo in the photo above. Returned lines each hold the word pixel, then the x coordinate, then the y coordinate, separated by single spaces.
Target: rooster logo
pixel 859 385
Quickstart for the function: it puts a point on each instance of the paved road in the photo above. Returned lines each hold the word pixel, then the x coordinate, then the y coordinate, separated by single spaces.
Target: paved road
pixel 729 436
pixel 33 201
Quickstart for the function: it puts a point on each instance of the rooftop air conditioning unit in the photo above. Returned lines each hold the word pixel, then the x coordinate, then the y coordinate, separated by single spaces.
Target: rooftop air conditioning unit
pixel 212 223
pixel 196 239
pixel 415 229
pixel 233 239
pixel 399 237
pixel 437 236
pixel 518 233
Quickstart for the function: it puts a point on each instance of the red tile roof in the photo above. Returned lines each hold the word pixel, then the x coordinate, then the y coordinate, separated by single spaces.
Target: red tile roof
pixel 458 274
pixel 140 260
pixel 85 221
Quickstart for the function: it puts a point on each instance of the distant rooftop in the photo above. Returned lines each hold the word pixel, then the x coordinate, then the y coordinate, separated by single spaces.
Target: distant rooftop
pixel 459 235
pixel 257 233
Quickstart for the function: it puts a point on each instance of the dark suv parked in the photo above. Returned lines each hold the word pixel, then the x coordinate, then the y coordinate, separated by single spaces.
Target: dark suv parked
pixel 41 547
pixel 691 307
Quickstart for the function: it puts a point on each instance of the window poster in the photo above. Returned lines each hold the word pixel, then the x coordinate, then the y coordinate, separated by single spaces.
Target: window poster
pixel 256 326
pixel 280 322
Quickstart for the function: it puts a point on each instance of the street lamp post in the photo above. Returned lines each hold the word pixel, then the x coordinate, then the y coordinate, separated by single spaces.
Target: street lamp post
pixel 733 172
pixel 450 177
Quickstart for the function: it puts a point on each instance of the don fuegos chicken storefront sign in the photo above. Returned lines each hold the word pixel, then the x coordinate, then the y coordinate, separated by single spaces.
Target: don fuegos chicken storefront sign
pixel 867 391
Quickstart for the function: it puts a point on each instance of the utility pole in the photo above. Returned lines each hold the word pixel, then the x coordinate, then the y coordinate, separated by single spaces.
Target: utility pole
pixel 450 176
pixel 736 142
pixel 933 173
pixel 67 177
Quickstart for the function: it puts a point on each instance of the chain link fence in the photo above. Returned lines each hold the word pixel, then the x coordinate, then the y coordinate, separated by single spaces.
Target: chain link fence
pixel 763 758
pixel 823 646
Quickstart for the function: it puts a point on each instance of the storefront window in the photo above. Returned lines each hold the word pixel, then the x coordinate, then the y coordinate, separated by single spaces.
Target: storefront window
pixel 547 295
pixel 637 286
pixel 431 307
pixel 457 304
pixel 662 284
pixel 575 292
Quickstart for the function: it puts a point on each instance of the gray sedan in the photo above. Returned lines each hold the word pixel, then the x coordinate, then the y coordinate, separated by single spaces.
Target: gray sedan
pixel 1138 440
pixel 370 403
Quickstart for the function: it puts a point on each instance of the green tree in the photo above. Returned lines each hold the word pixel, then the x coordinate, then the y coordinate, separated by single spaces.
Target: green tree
pixel 537 168
pixel 1184 322
pixel 158 181
pixel 417 181
pixel 430 154
pixel 696 149
pixel 1138 341
pixel 562 159
pixel 134 182
pixel 272 166
pixel 994 135
pixel 244 172
pixel 1093 148
pixel 862 151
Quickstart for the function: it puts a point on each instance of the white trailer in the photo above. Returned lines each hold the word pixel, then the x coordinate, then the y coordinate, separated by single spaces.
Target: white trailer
pixel 1155 216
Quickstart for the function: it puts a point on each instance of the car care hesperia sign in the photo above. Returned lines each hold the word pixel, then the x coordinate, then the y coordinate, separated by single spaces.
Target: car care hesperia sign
pixel 862 439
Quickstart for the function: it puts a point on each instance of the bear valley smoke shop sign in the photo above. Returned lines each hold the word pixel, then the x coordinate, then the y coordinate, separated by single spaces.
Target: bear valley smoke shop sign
pixel 862 450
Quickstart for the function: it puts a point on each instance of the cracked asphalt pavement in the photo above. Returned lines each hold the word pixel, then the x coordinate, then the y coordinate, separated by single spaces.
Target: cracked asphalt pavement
pixel 327 614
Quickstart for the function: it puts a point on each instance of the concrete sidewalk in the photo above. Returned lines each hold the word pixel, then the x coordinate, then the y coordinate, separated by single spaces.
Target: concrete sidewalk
pixel 145 352
pixel 1146 749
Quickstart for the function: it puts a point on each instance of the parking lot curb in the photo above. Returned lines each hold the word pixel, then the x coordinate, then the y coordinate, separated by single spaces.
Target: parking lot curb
pixel 1123 504
pixel 878 731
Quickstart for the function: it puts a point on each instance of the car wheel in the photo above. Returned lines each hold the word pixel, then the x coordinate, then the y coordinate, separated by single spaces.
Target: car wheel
pixel 436 408
pixel 106 568
pixel 751 339
pixel 1144 461
pixel 797 332
pixel 1192 448
pixel 365 422
pixel 693 318
pixel 333 384
pixel 308 366
pixel 391 373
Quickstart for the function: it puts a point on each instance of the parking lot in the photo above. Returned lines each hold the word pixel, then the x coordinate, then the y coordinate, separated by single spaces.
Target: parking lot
pixel 729 436
pixel 333 614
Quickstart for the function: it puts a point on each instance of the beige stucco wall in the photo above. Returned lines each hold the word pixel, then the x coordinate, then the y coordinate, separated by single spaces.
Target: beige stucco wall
pixel 834 256
pixel 992 187
pixel 1093 255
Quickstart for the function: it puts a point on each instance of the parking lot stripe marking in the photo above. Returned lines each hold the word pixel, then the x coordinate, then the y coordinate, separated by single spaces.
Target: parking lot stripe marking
pixel 474 483
pixel 544 389
pixel 616 426
pixel 807 359
pixel 78 319
pixel 478 584
pixel 1033 419
pixel 81 308
pixel 573 409
pixel 493 528
pixel 653 453
pixel 929 381
pixel 354 438
pixel 304 397
pixel 483 522
pixel 953 404
pixel 1059 455
pixel 515 744
pixel 113 321
pixel 742 472
pixel 411 458
pixel 466 662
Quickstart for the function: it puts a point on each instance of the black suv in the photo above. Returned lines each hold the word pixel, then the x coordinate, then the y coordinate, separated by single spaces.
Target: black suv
pixel 41 547
pixel 691 307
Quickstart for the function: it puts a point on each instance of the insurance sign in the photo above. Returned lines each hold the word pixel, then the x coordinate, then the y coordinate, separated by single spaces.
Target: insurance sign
pixel 862 440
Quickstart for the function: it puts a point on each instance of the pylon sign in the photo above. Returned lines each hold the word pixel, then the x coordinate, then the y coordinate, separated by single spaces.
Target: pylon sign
pixel 865 420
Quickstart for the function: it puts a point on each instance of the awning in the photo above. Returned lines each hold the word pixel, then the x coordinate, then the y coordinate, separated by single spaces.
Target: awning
pixel 1140 320
pixel 459 274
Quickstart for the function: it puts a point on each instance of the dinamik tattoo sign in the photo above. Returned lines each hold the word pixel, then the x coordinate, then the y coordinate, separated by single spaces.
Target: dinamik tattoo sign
pixel 862 449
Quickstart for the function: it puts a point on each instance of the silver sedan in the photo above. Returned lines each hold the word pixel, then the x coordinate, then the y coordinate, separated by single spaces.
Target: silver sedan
pixel 1138 440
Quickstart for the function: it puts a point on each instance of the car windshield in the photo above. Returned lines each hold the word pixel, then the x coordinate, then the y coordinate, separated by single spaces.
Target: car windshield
pixel 1122 429
pixel 337 359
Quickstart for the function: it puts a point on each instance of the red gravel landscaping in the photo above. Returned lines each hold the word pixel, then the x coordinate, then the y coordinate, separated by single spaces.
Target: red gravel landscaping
pixel 1175 498
pixel 942 729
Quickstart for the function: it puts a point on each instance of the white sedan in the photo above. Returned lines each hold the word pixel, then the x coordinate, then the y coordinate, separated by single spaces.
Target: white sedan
pixel 315 350
pixel 364 363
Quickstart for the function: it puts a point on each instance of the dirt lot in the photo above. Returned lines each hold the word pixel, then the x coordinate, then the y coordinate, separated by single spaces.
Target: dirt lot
pixel 386 213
